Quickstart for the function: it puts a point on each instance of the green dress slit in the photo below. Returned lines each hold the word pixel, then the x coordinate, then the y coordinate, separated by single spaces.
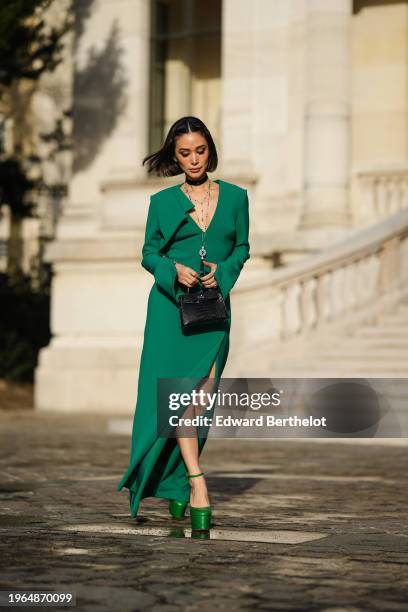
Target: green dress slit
pixel 156 467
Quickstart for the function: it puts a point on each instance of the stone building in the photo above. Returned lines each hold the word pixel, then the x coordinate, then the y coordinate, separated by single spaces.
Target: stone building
pixel 308 105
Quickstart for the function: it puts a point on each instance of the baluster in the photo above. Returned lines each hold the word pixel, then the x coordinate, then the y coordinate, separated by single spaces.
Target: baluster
pixel 320 299
pixel 382 202
pixel 282 300
pixel 404 258
pixel 308 304
pixel 312 302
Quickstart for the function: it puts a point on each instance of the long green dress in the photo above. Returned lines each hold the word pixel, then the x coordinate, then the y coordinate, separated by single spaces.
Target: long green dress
pixel 156 467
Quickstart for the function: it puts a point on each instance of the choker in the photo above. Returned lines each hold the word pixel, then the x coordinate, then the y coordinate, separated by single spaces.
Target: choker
pixel 199 181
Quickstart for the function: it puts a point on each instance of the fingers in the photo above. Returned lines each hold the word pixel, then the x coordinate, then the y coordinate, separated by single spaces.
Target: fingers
pixel 191 272
pixel 210 274
pixel 211 283
pixel 191 278
pixel 207 277
pixel 187 276
pixel 190 282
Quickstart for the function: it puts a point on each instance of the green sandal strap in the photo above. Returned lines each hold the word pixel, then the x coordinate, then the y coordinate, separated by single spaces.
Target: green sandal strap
pixel 194 475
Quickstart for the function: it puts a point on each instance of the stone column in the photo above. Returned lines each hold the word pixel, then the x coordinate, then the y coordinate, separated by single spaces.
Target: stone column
pixel 327 115
pixel 98 314
pixel 237 65
pixel 128 144
pixel 110 113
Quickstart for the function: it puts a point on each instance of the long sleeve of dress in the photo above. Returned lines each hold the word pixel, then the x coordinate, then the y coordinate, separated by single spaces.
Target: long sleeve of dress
pixel 228 271
pixel 162 268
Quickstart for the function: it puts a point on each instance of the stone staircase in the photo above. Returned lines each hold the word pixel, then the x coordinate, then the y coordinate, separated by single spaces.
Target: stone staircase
pixel 342 312
pixel 378 349
pixel 375 354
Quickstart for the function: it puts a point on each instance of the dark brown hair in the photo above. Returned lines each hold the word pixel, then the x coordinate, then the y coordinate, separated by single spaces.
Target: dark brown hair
pixel 162 162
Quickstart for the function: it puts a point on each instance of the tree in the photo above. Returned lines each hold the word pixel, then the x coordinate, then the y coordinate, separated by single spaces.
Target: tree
pixel 30 44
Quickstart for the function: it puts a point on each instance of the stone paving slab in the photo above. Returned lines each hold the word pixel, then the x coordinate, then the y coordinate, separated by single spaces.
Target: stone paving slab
pixel 237 535
pixel 329 523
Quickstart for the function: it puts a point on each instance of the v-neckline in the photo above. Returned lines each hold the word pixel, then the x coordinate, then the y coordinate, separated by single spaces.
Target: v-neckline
pixel 218 181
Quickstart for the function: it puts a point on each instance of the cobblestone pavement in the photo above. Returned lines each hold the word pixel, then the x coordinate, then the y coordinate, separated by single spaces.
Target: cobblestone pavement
pixel 333 518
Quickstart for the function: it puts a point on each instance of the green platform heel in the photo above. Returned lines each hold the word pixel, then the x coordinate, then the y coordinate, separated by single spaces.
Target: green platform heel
pixel 200 517
pixel 177 509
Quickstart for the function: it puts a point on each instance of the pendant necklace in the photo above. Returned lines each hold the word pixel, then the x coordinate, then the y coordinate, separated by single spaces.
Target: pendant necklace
pixel 202 252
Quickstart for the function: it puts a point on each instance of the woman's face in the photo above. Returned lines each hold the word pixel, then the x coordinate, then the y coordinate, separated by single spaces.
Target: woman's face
pixel 191 152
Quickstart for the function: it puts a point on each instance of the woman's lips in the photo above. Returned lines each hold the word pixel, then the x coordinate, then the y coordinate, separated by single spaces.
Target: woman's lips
pixel 195 169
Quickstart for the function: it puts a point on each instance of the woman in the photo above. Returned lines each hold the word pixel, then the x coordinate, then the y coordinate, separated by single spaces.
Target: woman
pixel 181 220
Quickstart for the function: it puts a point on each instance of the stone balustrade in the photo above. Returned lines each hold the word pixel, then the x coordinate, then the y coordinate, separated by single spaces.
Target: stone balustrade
pixel 349 283
pixel 384 192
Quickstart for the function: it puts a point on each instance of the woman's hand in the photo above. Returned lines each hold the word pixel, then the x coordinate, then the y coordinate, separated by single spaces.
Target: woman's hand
pixel 186 276
pixel 208 280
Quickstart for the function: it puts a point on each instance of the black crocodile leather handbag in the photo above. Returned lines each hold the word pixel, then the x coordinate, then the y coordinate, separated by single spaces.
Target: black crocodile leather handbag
pixel 202 308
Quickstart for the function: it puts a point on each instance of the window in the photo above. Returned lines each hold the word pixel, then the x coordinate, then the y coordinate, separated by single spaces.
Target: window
pixel 185 65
